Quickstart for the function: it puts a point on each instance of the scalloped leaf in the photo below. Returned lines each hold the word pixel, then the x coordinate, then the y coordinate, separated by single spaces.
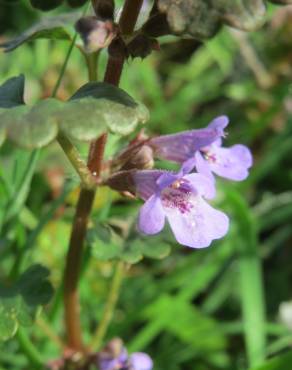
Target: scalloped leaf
pixel 93 109
pixel 34 285
pixel 32 127
pixel 11 92
pixel 202 19
pixel 106 245
pixel 8 321
pixel 19 303
pixel 119 110
pixel 47 28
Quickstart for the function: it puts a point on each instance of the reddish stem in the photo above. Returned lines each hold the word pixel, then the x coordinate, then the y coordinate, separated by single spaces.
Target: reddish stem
pixel 74 257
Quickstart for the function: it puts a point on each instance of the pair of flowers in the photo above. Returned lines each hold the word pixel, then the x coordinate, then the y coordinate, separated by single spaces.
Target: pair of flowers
pixel 115 357
pixel 180 197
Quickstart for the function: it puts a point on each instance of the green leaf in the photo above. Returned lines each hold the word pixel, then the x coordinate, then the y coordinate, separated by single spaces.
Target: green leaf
pixel 73 123
pixel 104 243
pixel 182 319
pixel 282 362
pixel 102 90
pixel 132 252
pixel 19 303
pixel 251 277
pixel 21 186
pixel 93 109
pixel 202 19
pixel 8 321
pixel 135 250
pixel 195 18
pixel 108 245
pixel 33 127
pixel 34 286
pixel 118 110
pixel 11 93
pixel 48 28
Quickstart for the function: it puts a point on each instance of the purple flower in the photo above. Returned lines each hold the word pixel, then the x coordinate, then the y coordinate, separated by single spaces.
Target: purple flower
pixel 232 163
pixel 179 198
pixel 115 357
pixel 182 146
pixel 206 151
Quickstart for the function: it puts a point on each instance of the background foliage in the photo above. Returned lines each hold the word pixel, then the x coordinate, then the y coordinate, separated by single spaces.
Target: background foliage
pixel 210 309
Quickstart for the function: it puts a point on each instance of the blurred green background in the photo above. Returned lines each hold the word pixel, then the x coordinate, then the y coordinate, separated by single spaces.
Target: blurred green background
pixel 219 308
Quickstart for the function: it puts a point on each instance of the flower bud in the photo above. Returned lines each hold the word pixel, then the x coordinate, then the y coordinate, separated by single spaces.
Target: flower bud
pixel 122 181
pixel 45 5
pixel 104 9
pixel 115 357
pixel 96 34
pixel 140 158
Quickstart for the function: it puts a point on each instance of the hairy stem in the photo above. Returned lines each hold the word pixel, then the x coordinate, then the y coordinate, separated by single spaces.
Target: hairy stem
pixel 72 269
pixel 87 180
pixel 85 202
pixel 109 308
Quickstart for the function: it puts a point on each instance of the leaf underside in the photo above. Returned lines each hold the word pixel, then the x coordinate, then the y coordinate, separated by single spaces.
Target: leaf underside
pixel 201 19
pixel 52 28
pixel 92 110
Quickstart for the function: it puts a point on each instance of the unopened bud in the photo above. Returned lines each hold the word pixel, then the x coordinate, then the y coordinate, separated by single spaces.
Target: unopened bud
pixel 141 159
pixel 96 34
pixel 121 181
pixel 104 9
pixel 113 348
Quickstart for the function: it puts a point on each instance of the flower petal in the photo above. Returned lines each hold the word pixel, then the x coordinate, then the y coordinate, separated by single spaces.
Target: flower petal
pixel 145 182
pixel 202 184
pixel 182 146
pixel 203 166
pixel 187 166
pixel 108 364
pixel 166 179
pixel 141 361
pixel 219 124
pixel 198 227
pixel 151 217
pixel 232 163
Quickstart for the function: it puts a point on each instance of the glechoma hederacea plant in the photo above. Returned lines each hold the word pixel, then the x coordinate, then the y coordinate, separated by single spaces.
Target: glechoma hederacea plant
pixel 181 197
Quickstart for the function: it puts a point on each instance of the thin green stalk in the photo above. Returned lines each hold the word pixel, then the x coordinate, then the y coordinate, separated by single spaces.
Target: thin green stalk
pixel 68 148
pixel 19 195
pixel 64 66
pixel 29 349
pixel 109 308
pixel 92 60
